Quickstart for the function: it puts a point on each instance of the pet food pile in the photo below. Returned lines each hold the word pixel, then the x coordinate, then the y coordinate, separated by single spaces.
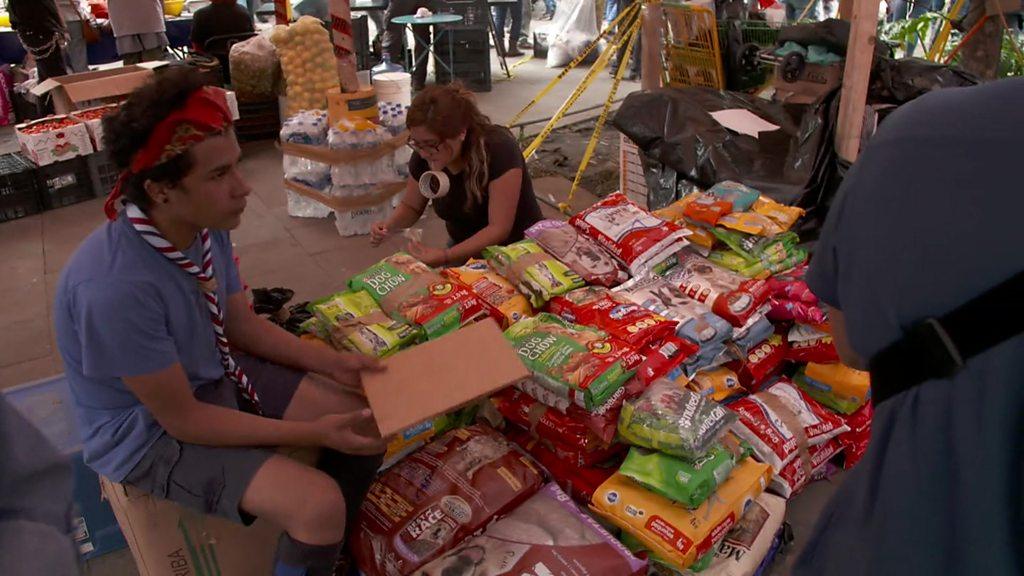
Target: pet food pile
pixel 684 384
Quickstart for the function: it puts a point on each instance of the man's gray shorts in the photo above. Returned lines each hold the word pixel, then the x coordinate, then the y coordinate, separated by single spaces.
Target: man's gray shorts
pixel 213 479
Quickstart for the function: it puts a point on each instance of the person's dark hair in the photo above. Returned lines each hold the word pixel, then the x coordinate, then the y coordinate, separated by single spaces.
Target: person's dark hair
pixel 127 130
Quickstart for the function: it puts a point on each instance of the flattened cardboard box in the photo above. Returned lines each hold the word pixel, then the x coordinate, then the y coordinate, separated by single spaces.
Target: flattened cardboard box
pixel 442 375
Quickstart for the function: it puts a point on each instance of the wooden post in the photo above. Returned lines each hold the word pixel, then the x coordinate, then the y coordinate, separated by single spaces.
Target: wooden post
pixel 282 12
pixel 344 45
pixel 859 54
pixel 652 44
pixel 845 9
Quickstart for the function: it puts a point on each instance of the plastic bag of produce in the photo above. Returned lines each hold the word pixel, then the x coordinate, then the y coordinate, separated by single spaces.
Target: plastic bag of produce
pixel 437 497
pixel 672 532
pixel 505 304
pixel 681 481
pixel 407 289
pixel 795 475
pixel 254 69
pixel 781 423
pixel 718 384
pixel 673 420
pixel 729 295
pixel 750 541
pixel 581 254
pixel 546 535
pixel 613 313
pixel 837 386
pixel 536 274
pixel 576 362
pixel 631 234
pixel 579 481
pixel 307 60
pixel 357 324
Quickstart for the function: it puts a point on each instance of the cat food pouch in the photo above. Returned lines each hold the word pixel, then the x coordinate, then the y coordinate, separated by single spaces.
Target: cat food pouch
pixel 784 216
pixel 581 254
pixel 504 303
pixel 673 420
pixel 706 209
pixel 741 196
pixel 354 322
pixel 533 271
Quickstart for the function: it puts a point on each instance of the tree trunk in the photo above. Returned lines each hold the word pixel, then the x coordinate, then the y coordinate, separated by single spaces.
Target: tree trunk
pixel 980 54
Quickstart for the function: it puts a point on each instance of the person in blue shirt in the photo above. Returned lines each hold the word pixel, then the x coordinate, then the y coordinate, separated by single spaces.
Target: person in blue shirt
pixel 179 388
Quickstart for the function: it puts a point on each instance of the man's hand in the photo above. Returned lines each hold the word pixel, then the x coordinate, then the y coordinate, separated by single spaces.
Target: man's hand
pixel 345 368
pixel 352 433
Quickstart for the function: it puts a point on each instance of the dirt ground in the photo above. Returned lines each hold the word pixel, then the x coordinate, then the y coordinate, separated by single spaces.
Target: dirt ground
pixel 562 152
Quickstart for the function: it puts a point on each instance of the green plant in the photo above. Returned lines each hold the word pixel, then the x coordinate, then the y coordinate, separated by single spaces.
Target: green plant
pixel 919 32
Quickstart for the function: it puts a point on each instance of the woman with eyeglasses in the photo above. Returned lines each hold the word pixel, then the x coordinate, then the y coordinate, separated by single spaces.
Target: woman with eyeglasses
pixel 490 198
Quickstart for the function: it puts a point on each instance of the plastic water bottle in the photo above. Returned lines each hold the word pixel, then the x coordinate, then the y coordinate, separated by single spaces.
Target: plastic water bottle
pixel 386 65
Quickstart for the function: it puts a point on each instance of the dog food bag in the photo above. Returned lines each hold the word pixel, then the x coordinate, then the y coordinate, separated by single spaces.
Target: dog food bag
pixel 615 314
pixel 741 197
pixel 602 423
pixel 684 482
pixel 534 272
pixel 671 531
pixel 505 304
pixel 571 455
pixel 750 541
pixel 354 322
pixel 659 567
pixel 855 442
pixel 820 349
pixel 524 411
pixel 435 498
pixel 673 420
pixel 756 330
pixel 665 359
pixel 719 384
pixel 579 481
pixel 750 223
pixel 633 235
pixel 407 289
pixel 696 322
pixel 729 295
pixel 580 363
pixel 782 423
pixel 837 386
pixel 581 254
pixel 784 216
pixel 412 438
pixel 761 363
pixel 798 473
pixel 546 535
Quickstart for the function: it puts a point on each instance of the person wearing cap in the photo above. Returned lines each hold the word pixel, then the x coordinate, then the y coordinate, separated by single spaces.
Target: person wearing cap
pixel 920 263
pixel 179 388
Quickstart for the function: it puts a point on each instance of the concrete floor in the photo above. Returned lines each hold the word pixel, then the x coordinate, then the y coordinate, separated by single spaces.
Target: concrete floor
pixel 274 249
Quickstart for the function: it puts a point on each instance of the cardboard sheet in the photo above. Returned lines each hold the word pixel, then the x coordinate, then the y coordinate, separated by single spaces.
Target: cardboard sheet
pixel 442 375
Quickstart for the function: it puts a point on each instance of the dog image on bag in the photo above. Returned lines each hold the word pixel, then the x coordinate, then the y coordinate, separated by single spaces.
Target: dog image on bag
pixel 478 452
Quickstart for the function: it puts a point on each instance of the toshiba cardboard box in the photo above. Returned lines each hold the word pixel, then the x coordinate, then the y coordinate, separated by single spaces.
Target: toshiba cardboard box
pixel 88 89
pixel 168 540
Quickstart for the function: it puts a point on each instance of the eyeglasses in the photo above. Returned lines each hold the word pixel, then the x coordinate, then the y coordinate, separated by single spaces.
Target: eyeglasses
pixel 430 148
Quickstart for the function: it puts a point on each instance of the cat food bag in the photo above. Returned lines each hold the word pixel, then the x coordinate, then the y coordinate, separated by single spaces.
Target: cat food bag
pixel 546 535
pixel 729 295
pixel 741 197
pixel 599 307
pixel 784 216
pixel 799 472
pixel 534 272
pixel 706 209
pixel 355 323
pixel 505 304
pixel 407 289
pixel 431 501
pixel 719 384
pixel 580 363
pixel 749 542
pixel 696 322
pixel 782 423
pixel 750 223
pixel 581 254
pixel 633 235
pixel 524 411
pixel 673 420
pixel 579 481
pixel 682 481
pixel 671 531
pixel 837 386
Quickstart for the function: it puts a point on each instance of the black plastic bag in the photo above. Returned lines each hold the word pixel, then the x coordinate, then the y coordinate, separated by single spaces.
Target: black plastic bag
pixel 900 81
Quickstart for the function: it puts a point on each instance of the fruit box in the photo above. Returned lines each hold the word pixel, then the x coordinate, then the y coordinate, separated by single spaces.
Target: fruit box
pixel 93 120
pixel 53 139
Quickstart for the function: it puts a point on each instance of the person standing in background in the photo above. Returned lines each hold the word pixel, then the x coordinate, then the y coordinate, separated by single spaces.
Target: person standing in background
pixel 138 29
pixel 220 18
pixel 76 14
pixel 500 13
pixel 42 33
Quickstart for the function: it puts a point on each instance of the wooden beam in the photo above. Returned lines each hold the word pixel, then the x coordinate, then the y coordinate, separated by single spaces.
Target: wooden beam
pixel 859 54
pixel 652 44
pixel 845 9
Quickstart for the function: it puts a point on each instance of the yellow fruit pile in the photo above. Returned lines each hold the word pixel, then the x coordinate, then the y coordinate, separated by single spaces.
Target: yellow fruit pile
pixel 307 60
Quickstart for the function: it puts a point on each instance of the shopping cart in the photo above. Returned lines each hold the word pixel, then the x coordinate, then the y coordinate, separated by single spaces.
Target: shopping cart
pixel 691 50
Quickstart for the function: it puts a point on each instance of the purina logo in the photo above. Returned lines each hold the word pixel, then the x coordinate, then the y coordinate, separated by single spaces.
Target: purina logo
pixel 612 497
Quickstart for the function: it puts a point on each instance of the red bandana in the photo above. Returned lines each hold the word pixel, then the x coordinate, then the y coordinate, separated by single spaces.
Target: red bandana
pixel 205 112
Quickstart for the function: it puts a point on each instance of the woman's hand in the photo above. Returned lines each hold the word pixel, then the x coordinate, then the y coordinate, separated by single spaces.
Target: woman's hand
pixel 378 233
pixel 351 433
pixel 429 255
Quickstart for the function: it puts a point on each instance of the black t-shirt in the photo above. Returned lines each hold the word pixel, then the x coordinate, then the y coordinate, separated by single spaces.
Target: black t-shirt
pixel 462 221
pixel 219 20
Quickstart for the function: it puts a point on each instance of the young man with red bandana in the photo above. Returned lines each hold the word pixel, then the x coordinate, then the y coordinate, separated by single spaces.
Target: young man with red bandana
pixel 179 387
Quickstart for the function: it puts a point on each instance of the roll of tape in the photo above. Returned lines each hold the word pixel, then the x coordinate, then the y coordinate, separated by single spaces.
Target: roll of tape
pixel 434 184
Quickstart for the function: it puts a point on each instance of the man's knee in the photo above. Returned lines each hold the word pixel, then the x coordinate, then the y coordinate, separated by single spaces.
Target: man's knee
pixel 320 510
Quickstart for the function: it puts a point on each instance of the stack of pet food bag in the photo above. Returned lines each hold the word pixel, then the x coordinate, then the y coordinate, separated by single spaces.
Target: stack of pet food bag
pixel 684 385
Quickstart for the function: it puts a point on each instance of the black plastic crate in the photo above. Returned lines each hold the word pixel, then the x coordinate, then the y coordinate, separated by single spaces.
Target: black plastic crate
pixel 64 183
pixel 475 14
pixel 103 173
pixel 19 191
pixel 470 40
pixel 258 121
pixel 476 79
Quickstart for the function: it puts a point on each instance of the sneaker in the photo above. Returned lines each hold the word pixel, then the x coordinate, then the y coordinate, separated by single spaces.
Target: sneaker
pixel 513 51
pixel 525 44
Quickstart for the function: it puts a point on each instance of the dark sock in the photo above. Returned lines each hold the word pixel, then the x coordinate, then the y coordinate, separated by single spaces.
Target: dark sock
pixel 354 474
pixel 296 558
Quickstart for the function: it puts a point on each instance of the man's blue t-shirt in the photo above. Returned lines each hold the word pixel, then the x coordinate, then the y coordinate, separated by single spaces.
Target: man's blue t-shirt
pixel 123 309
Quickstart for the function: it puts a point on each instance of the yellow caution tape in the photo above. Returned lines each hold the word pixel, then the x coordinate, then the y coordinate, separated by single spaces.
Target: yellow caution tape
pixel 632 35
pixel 575 62
pixel 512 69
pixel 598 66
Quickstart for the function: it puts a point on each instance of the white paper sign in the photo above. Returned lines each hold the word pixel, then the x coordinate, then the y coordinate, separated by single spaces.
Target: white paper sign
pixel 743 122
